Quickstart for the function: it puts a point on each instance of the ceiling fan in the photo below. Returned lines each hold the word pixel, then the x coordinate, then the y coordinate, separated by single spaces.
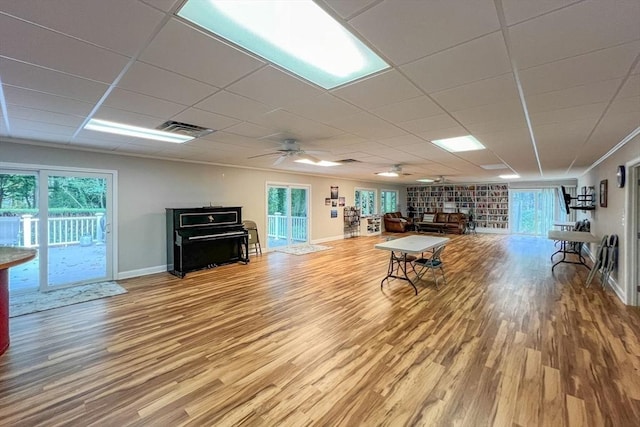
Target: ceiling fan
pixel 290 148
pixel 395 170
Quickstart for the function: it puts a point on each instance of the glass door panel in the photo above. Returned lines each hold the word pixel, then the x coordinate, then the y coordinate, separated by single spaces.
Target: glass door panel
pixel 77 235
pixel 19 215
pixel 287 215
pixel 299 218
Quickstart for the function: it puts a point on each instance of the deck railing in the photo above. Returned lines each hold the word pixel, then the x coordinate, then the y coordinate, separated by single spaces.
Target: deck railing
pixel 277 227
pixel 63 230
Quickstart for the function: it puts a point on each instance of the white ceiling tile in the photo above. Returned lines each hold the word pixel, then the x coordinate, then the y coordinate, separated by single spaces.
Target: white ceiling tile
pixel 593 67
pixel 382 89
pixel 132 101
pixel 584 94
pixel 43 80
pixel 440 121
pixel 367 126
pixel 120 25
pixel 40 134
pixel 58 52
pixel 323 108
pixel 411 109
pixel 294 126
pixel 517 10
pixel 452 132
pixel 631 87
pixel 587 111
pixel 179 48
pixel 236 140
pixel 250 130
pixel 164 5
pixel 232 105
pixel 630 104
pixel 45 101
pixel 346 8
pixel 205 119
pixel 17 112
pixel 128 117
pixel 490 91
pixel 273 87
pixel 478 59
pixel 401 141
pixel 583 27
pixel 407 30
pixel 153 81
pixel 506 111
pixel 19 125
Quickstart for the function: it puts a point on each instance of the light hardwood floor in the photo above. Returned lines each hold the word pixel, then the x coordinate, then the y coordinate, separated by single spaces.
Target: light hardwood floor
pixel 313 340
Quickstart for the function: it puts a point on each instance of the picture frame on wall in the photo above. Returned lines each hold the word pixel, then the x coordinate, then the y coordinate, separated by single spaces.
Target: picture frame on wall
pixel 604 184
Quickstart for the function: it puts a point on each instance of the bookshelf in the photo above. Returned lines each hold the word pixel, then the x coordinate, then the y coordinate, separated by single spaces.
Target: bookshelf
pixel 351 222
pixel 371 225
pixel 489 203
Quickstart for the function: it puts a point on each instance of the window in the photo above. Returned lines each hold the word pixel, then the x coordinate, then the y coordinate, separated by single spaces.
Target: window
pixel 388 201
pixel 366 201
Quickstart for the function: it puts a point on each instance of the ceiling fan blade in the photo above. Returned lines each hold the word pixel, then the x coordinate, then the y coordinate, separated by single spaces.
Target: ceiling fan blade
pixel 262 155
pixel 308 157
pixel 279 160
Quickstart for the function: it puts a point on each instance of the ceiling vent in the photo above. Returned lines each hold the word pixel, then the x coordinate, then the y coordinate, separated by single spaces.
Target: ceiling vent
pixel 348 161
pixel 184 129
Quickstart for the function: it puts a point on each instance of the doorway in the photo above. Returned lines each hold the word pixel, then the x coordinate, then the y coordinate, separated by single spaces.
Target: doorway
pixel 533 211
pixel 287 215
pixel 67 217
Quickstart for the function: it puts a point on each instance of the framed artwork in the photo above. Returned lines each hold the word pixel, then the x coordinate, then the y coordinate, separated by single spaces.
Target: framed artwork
pixel 334 213
pixel 341 201
pixel 334 192
pixel 604 184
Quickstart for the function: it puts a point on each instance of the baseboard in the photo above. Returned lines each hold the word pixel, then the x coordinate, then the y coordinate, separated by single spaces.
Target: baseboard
pixel 142 272
pixel 620 293
pixel 327 239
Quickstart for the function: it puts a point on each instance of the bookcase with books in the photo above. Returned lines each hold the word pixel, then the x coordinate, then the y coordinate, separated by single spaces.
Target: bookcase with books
pixel 489 203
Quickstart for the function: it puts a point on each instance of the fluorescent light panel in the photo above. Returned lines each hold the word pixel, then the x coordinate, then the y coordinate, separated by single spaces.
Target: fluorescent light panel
pixel 425 180
pixel 390 174
pixel 511 176
pixel 296 35
pixel 135 131
pixel 460 143
pixel 324 163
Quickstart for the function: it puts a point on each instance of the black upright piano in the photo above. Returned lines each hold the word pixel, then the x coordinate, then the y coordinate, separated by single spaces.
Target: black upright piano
pixel 199 238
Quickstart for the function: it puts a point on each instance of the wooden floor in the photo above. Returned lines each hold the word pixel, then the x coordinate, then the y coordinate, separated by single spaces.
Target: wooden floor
pixel 312 340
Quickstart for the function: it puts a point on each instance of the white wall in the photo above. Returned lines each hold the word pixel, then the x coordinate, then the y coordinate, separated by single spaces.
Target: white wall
pixel 147 186
pixel 611 220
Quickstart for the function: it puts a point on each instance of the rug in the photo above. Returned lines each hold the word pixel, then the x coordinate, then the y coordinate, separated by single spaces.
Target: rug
pixel 30 302
pixel 303 249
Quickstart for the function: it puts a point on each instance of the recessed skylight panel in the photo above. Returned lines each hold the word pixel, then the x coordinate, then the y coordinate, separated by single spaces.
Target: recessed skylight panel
pixel 296 35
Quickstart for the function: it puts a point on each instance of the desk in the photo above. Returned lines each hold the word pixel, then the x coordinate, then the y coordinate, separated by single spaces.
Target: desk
pixel 9 256
pixel 566 239
pixel 404 246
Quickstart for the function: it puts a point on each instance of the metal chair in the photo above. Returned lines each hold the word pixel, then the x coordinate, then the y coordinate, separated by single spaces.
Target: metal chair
pixel 254 238
pixel 432 263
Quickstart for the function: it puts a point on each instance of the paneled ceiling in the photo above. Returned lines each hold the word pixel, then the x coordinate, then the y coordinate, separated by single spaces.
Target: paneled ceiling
pixel 549 87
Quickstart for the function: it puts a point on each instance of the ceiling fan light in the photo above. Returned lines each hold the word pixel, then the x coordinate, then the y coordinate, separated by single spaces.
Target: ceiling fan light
pixel 324 163
pixel 425 180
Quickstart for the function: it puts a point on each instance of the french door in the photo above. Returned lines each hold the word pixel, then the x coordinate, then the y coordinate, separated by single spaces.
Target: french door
pixel 67 217
pixel 287 215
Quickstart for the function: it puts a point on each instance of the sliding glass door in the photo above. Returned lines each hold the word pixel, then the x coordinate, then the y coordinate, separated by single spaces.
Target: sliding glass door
pixel 287 215
pixel 78 228
pixel 69 224
pixel 533 211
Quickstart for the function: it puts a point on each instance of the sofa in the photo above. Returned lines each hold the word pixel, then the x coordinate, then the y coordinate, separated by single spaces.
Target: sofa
pixel 396 223
pixel 443 222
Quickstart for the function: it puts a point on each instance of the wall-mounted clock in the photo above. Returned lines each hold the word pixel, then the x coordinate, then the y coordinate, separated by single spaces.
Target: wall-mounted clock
pixel 621 176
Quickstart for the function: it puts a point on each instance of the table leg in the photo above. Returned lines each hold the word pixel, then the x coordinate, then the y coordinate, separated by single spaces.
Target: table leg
pixel 398 263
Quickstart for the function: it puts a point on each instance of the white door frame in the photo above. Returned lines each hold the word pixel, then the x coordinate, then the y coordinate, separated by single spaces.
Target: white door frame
pixel 289 186
pixel 630 250
pixel 112 217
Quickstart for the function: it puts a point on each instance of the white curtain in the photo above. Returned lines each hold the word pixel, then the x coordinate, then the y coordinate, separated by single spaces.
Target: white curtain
pixel 533 211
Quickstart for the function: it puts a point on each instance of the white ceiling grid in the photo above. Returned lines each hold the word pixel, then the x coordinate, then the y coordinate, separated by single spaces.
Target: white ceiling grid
pixel 453 72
